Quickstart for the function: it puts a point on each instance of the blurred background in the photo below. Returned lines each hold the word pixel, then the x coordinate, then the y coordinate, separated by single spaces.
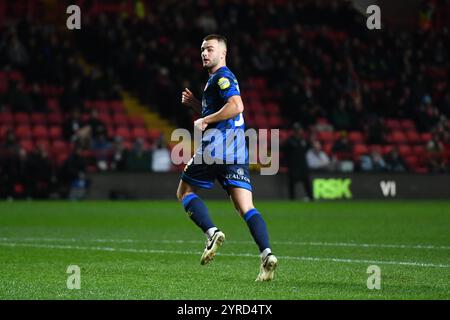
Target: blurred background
pixel 88 114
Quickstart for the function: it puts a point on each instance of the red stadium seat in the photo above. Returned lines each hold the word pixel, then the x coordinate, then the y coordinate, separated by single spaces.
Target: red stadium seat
pixel 6 118
pixel 419 151
pixel 139 132
pixel 137 121
pixel 154 134
pixel 60 146
pixel 123 132
pixel 116 106
pixel 101 105
pixel 3 131
pixel 38 118
pixel 413 137
pixel 376 148
pixel 392 124
pixel 275 121
pixel 27 144
pixel 55 133
pixel 260 121
pixel 40 132
pixel 355 137
pixel 412 161
pixel 407 125
pixel 120 120
pixel 387 148
pixel 22 118
pixel 106 119
pixel 325 136
pixel 359 149
pixel 425 137
pixel 405 150
pixel 397 137
pixel 53 104
pixel 272 108
pixel 55 119
pixel 44 143
pixel 23 132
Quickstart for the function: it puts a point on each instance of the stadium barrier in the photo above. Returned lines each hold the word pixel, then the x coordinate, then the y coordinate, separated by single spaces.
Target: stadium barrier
pixel 326 186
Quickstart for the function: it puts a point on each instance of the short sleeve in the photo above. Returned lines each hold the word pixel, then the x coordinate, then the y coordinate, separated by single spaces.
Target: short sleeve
pixel 228 87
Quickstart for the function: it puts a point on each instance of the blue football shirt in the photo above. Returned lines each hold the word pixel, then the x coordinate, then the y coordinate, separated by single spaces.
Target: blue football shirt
pixel 227 142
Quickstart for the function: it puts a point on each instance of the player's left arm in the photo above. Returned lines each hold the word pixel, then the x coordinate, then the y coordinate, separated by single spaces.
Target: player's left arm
pixel 231 109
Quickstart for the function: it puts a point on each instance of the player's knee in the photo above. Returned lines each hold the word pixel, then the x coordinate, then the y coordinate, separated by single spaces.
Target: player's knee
pixel 244 209
pixel 181 194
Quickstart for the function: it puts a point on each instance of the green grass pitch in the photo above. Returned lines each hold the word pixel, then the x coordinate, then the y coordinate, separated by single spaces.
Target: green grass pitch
pixel 151 250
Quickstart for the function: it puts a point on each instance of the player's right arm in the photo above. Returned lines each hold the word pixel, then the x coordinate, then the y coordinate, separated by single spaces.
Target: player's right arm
pixel 188 99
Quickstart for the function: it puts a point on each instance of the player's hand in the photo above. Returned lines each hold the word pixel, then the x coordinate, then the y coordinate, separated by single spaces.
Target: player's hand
pixel 188 98
pixel 200 124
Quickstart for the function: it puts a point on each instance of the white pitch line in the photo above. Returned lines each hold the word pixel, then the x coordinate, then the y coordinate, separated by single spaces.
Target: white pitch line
pixel 132 250
pixel 293 243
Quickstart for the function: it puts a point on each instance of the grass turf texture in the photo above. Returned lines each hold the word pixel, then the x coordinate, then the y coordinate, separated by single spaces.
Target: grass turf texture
pixel 151 250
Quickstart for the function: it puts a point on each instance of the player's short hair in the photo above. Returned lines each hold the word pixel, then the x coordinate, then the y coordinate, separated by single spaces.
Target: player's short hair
pixel 217 37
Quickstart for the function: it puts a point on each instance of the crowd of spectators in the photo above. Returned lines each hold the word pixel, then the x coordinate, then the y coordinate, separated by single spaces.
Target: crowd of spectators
pixel 317 55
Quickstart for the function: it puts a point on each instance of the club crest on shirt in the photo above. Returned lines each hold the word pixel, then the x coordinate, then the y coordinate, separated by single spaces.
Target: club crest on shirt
pixel 223 83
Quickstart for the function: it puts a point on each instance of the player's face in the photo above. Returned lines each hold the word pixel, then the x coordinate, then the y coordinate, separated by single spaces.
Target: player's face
pixel 211 52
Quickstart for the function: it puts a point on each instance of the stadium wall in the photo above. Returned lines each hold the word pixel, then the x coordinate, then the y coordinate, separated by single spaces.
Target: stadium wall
pixel 326 186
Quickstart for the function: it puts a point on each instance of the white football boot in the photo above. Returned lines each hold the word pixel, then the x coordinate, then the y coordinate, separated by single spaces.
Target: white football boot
pixel 267 269
pixel 211 247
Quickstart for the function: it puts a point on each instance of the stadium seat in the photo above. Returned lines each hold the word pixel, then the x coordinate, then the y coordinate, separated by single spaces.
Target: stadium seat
pixel 419 151
pixel 413 137
pixel 6 118
pixel 55 119
pixel 275 121
pixel 392 124
pixel 55 133
pixel 44 143
pixel 376 148
pixel 139 132
pixel 405 150
pixel 387 148
pixel 106 119
pixel 23 132
pixel 407 125
pixel 116 106
pixel 397 137
pixel 260 121
pixel 359 149
pixel 271 108
pixel 137 121
pixel 21 118
pixel 120 120
pixel 412 161
pixel 53 104
pixel 3 130
pixel 101 105
pixel 325 136
pixel 154 134
pixel 27 144
pixel 38 118
pixel 425 137
pixel 355 137
pixel 123 132
pixel 39 132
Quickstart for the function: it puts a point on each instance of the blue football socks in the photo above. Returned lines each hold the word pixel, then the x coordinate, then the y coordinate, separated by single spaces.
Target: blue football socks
pixel 258 229
pixel 197 211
